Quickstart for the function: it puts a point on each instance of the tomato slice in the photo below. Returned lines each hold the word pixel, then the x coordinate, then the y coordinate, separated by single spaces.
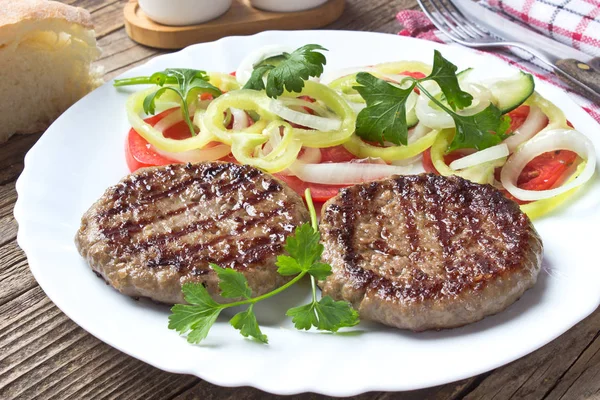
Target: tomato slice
pixel 546 170
pixel 139 153
pixel 336 154
pixel 319 193
pixel 518 117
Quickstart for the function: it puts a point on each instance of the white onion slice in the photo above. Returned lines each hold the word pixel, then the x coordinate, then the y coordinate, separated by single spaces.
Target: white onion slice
pixel 480 157
pixel 299 105
pixel 168 121
pixel 439 119
pixel 551 140
pixel 418 132
pixel 244 71
pixel 346 173
pixel 197 155
pixel 311 121
pixel 357 107
pixel 535 122
pixel 240 119
pixel 310 155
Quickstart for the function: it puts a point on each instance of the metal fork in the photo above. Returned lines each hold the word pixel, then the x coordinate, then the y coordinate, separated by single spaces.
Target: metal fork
pixel 453 23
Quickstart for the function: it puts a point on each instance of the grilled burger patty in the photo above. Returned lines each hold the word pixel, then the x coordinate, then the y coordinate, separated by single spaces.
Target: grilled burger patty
pixel 426 251
pixel 161 227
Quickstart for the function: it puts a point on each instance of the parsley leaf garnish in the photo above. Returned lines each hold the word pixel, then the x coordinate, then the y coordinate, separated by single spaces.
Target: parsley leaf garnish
pixel 232 283
pixel 186 83
pixel 290 72
pixel 325 314
pixel 480 131
pixel 303 256
pixel 444 73
pixel 247 324
pixel 196 318
pixel 384 118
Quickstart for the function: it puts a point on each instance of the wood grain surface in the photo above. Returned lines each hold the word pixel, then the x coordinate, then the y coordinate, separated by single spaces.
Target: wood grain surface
pixel 43 355
pixel 240 19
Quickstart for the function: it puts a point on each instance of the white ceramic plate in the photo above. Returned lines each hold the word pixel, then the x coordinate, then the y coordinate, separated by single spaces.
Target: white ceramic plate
pixel 81 154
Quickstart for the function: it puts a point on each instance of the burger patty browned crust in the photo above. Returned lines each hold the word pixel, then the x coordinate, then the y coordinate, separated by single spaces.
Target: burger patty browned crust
pixel 427 252
pixel 161 227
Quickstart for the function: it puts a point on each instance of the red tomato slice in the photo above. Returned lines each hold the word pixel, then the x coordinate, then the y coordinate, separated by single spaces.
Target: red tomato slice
pixel 319 193
pixel 336 154
pixel 139 153
pixel 546 170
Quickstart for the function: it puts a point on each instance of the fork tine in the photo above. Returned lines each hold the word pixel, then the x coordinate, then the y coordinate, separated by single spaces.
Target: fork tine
pixel 441 24
pixel 449 16
pixel 457 12
pixel 459 19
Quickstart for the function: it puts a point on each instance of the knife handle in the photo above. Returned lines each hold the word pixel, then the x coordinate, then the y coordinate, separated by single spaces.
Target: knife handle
pixel 584 78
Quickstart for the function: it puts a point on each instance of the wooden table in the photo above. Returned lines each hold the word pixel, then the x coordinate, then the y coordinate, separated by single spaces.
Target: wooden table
pixel 44 355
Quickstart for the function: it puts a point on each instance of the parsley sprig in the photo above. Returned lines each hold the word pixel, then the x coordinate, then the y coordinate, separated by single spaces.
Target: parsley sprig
pixel 185 83
pixel 289 72
pixel 303 258
pixel 384 118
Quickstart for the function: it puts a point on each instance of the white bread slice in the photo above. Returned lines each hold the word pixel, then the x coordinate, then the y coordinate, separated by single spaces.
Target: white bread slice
pixel 46 52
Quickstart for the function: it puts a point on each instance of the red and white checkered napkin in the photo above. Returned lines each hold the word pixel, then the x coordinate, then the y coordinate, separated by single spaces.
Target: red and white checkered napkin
pixel 574 22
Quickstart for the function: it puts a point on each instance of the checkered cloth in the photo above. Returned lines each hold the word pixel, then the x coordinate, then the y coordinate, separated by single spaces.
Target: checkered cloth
pixel 573 22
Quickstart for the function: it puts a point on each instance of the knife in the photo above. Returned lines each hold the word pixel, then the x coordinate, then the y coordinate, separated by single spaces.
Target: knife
pixel 566 61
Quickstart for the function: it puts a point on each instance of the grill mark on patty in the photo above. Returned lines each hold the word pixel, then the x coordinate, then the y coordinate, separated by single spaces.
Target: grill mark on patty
pixel 207 179
pixel 350 203
pixel 257 247
pixel 478 203
pixel 403 192
pixel 119 233
pixel 162 239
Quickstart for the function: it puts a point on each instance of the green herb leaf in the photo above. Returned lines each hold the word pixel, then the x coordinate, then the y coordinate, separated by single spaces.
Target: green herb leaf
pixel 204 321
pixel 297 67
pixel 197 318
pixel 325 315
pixel 196 293
pixel 319 270
pixel 233 284
pixel 291 71
pixel 384 118
pixel 246 323
pixel 186 83
pixel 303 317
pixel 444 73
pixel 334 315
pixel 480 131
pixel 256 81
pixel 304 246
pixel 288 266
pixel 304 252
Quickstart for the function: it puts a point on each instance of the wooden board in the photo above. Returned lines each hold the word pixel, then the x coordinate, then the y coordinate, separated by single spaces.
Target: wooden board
pixel 240 19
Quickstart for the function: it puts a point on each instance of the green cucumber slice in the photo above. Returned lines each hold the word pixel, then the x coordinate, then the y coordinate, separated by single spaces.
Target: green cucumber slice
pixel 511 93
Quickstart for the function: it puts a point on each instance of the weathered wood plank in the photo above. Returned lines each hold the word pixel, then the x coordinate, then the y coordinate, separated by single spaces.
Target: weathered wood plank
pixel 15 277
pixel 582 380
pixel 533 376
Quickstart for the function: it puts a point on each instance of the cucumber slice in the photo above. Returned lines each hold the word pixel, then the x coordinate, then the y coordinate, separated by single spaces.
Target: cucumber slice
pixel 511 93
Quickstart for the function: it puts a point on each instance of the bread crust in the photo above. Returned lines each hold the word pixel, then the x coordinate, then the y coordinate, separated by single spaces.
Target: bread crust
pixel 15 12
